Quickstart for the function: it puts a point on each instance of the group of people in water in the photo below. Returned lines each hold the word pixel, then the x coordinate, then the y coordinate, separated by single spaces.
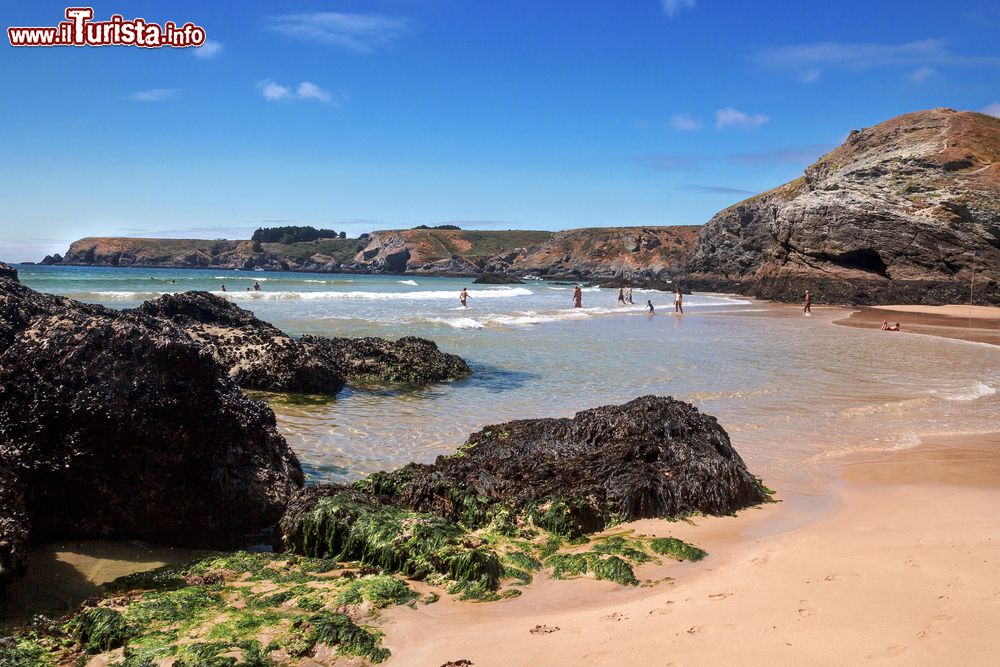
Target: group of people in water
pixel 255 288
pixel 624 297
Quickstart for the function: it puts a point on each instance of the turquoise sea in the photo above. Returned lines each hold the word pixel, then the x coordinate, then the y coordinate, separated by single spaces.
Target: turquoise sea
pixel 792 391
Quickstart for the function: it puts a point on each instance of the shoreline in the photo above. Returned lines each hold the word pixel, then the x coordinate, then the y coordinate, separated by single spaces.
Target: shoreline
pixel 900 566
pixel 978 324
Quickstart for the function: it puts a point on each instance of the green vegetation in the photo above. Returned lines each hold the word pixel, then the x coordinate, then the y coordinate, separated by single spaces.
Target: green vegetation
pixel 100 629
pixel 676 549
pixel 341 250
pixel 336 629
pixel 291 234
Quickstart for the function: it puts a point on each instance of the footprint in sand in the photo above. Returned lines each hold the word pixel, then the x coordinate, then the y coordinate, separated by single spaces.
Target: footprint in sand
pixel 806 609
pixel 617 616
pixel 889 653
pixel 659 611
pixel 719 596
pixel 935 627
pixel 544 629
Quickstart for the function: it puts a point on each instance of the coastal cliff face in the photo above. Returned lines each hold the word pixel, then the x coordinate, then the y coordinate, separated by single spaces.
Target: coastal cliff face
pixel 894 215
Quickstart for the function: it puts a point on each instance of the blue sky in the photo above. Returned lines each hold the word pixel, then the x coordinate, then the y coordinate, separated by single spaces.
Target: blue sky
pixel 515 114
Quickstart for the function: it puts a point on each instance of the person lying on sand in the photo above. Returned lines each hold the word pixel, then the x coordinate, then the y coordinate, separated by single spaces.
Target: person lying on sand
pixel 464 296
pixel 886 327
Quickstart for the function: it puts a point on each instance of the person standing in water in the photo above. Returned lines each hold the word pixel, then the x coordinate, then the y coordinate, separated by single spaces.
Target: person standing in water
pixel 578 297
pixel 256 286
pixel 649 307
pixel 621 295
pixel 679 302
pixel 628 295
pixel 464 297
pixel 807 310
pixel 223 287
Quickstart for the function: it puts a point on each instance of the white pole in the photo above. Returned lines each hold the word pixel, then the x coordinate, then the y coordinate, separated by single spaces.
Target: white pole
pixel 972 282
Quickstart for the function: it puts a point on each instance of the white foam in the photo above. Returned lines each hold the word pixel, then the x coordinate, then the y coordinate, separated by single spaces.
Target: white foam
pixel 975 392
pixel 376 296
pixel 407 282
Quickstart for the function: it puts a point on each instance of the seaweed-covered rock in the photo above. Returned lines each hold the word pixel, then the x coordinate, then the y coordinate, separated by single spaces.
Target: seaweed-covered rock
pixel 497 279
pixel 409 360
pixel 332 521
pixel 652 457
pixel 256 354
pixel 13 526
pixel 119 425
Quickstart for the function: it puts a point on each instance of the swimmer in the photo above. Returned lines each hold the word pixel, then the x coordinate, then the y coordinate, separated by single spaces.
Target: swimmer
pixel 464 296
pixel 578 297
pixel 649 307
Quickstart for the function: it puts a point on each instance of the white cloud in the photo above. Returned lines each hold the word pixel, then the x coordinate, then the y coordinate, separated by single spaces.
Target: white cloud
pixel 674 7
pixel 357 32
pixel 730 117
pixel 992 109
pixel 685 122
pixel 273 92
pixel 921 74
pixel 810 75
pixel 310 91
pixel 208 50
pixel 153 95
pixel 307 90
pixel 867 55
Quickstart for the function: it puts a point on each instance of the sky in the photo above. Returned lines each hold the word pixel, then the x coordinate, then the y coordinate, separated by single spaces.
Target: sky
pixel 492 115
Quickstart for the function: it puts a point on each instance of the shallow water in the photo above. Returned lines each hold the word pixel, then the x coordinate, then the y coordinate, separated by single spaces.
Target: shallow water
pixel 791 391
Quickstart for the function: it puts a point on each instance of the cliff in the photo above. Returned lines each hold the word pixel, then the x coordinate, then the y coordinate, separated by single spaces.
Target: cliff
pixel 895 214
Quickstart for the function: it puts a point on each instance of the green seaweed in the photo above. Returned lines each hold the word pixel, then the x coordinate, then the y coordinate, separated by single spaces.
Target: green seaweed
pixel 567 566
pixel 338 630
pixel 381 590
pixel 613 569
pixel 99 629
pixel 22 652
pixel 676 549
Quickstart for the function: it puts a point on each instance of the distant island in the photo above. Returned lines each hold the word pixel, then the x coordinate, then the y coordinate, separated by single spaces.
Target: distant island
pixel 903 212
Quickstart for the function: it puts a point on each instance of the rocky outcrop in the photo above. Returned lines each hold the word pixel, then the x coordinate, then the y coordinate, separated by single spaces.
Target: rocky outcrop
pixel 652 457
pixel 117 424
pixel 497 279
pixel 409 360
pixel 13 527
pixel 261 356
pixel 256 354
pixel 894 215
pixel 633 255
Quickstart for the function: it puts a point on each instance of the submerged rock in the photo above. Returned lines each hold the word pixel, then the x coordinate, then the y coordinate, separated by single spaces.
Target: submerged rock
pixel 652 457
pixel 256 354
pixel 409 360
pixel 120 425
pixel 497 279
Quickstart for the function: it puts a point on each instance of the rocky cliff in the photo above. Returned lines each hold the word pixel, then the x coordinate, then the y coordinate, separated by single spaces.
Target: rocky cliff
pixel 894 215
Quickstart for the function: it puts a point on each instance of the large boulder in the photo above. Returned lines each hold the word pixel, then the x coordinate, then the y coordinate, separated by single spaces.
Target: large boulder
pixel 120 425
pixel 652 457
pixel 256 354
pixel 13 526
pixel 409 360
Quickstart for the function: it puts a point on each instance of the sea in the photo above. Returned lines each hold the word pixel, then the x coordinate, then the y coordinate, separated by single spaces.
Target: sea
pixel 792 391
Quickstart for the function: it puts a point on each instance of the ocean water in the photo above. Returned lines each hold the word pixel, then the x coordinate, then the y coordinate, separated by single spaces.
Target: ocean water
pixel 792 391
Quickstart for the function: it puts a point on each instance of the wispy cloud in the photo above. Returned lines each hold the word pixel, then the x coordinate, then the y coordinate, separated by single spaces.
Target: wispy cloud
pixel 685 122
pixel 866 55
pixel 674 7
pixel 153 95
pixel 273 91
pixel 810 75
pixel 803 155
pixel 730 117
pixel 992 109
pixel 667 161
pixel 208 50
pixel 920 75
pixel 206 232
pixel 715 189
pixel 357 32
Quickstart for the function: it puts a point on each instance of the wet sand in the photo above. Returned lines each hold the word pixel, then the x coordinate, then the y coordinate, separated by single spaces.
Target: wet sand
pixel 975 323
pixel 904 570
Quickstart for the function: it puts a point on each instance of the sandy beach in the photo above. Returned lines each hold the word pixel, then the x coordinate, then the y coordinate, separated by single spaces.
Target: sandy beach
pixel 904 569
pixel 975 323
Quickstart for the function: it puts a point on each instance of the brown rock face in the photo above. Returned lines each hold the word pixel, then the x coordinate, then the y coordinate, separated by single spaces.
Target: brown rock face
pixel 895 214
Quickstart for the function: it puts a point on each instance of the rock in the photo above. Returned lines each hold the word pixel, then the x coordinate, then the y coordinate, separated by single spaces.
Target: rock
pixel 13 527
pixel 497 279
pixel 52 259
pixel 121 426
pixel 894 215
pixel 256 354
pixel 652 457
pixel 8 272
pixel 409 360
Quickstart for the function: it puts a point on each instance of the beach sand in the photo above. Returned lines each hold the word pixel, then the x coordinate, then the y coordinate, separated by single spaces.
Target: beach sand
pixel 975 323
pixel 904 569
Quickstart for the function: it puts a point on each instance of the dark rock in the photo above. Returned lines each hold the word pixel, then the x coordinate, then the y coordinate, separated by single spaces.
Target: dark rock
pixel 120 425
pixel 13 527
pixel 409 360
pixel 8 272
pixel 652 457
pixel 52 259
pixel 256 354
pixel 498 279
